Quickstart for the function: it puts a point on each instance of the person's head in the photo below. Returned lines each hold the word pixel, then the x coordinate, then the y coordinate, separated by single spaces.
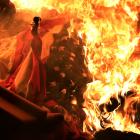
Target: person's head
pixel 35 25
pixel 36 20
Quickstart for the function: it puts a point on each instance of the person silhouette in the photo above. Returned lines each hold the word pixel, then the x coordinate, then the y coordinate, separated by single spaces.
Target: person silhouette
pixel 29 75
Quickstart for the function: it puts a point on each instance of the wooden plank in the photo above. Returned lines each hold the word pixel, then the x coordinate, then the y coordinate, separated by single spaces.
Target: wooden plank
pixel 20 107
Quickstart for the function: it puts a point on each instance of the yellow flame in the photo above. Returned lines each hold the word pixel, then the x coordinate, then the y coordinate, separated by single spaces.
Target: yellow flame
pixel 112 56
pixel 34 5
pixel 111 40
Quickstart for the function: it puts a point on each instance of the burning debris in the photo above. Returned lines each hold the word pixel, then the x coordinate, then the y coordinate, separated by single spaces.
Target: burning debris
pixel 66 79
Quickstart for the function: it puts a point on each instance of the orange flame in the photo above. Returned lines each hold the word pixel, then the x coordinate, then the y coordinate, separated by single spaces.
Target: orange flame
pixel 108 29
pixel 111 41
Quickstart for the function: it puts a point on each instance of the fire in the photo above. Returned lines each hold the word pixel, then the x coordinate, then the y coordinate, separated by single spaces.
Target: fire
pixel 34 5
pixel 38 5
pixel 111 44
pixel 112 55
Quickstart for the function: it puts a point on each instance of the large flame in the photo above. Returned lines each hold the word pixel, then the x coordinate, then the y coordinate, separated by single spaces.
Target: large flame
pixel 112 56
pixel 108 29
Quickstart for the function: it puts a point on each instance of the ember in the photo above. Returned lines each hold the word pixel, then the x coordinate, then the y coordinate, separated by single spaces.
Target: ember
pixel 90 49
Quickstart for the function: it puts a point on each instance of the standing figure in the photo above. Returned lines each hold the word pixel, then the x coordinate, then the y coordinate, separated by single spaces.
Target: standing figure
pixel 29 78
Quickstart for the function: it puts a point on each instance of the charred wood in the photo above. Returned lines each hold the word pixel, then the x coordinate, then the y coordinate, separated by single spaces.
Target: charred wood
pixel 110 134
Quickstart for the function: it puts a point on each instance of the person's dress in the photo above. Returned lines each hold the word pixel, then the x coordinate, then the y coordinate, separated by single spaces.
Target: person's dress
pixel 28 75
pixel 31 78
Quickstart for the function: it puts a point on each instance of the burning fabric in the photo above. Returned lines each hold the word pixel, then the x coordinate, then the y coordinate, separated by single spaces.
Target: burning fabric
pixel 94 41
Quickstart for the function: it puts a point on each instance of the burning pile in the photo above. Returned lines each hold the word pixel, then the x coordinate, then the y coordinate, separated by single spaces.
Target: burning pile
pixel 109 32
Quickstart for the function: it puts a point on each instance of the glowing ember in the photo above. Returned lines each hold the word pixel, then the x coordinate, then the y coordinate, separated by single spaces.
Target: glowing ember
pixel 108 29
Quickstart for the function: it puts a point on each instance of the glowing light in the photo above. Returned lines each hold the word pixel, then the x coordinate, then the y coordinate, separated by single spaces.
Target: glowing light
pixel 34 5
